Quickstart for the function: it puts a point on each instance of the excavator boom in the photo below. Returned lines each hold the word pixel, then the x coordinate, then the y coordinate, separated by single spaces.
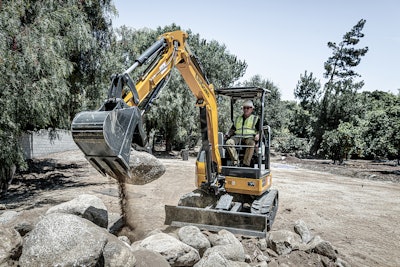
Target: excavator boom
pixel 105 136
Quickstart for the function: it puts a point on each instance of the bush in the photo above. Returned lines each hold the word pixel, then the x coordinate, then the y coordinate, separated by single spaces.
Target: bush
pixel 291 144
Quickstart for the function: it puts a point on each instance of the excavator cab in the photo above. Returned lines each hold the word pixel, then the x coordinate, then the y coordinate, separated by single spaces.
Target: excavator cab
pixel 260 164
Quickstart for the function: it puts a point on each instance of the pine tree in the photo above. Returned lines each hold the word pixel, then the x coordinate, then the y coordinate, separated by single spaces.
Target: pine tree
pixel 339 93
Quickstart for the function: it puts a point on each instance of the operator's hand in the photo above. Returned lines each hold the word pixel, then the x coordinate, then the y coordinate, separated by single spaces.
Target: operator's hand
pixel 257 137
pixel 226 137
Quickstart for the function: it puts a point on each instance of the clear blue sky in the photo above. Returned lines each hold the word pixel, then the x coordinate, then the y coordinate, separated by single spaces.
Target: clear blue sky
pixel 279 40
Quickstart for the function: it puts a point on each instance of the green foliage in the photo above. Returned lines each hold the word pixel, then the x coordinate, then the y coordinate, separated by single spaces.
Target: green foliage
pixel 289 143
pixel 337 144
pixel 339 121
pixel 325 109
pixel 380 125
pixel 299 120
pixel 308 91
pixel 42 45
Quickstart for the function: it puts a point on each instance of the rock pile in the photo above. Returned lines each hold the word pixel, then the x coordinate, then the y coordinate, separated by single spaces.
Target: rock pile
pixel 79 233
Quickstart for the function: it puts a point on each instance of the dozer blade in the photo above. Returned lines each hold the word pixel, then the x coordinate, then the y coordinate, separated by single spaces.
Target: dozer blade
pixel 242 223
pixel 225 214
pixel 105 138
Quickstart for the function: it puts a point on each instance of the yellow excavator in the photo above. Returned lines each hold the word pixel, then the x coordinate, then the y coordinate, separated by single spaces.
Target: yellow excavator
pixel 239 199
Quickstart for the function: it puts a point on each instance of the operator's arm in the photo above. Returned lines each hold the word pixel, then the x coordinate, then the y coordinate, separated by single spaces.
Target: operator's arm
pixel 230 133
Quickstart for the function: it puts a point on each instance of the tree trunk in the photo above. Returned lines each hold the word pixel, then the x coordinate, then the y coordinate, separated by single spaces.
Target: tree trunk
pixel 6 175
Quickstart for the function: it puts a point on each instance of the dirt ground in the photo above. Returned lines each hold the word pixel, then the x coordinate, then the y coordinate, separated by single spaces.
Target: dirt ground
pixel 356 206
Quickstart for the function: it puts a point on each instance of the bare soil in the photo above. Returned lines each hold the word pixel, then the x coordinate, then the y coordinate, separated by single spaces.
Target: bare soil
pixel 355 206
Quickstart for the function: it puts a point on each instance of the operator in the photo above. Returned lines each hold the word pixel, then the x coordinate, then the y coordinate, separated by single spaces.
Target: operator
pixel 243 131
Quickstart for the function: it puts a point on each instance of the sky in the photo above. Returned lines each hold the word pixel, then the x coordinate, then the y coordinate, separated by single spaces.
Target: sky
pixel 279 40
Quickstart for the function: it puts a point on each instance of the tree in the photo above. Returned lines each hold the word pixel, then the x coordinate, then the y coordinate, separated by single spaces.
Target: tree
pixel 308 91
pixel 337 144
pixel 41 45
pixel 380 125
pixel 339 93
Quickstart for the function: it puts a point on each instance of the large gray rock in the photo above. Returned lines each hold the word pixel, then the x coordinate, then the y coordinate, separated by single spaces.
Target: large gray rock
pixel 144 168
pixel 64 240
pixel 10 245
pixel 117 253
pixel 226 245
pixel 301 228
pixel 309 247
pixel 86 206
pixel 148 258
pixel 252 250
pixel 174 251
pixel 325 248
pixel 192 236
pixel 8 216
pixel 283 241
pixel 197 198
pixel 23 221
pixel 115 223
pixel 216 259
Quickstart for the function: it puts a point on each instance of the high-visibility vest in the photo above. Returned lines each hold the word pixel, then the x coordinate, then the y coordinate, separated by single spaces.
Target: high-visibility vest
pixel 246 128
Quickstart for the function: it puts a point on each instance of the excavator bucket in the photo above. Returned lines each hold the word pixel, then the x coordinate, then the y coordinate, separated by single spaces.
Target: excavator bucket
pixel 105 138
pixel 256 222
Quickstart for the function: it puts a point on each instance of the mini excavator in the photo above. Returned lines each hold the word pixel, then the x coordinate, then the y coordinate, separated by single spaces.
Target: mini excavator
pixel 235 198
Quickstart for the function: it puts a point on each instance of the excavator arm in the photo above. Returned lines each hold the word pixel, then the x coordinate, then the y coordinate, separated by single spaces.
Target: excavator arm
pixel 105 136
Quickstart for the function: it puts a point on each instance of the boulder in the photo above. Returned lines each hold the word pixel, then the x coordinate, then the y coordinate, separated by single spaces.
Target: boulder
pixel 148 258
pixel 10 246
pixel 192 236
pixel 197 198
pixel 309 247
pixel 301 228
pixel 283 241
pixel 86 206
pixel 115 223
pixel 64 240
pixel 125 239
pixel 8 216
pixel 325 248
pixel 254 253
pixel 117 253
pixel 223 237
pixel 262 244
pixel 215 259
pixel 226 245
pixel 144 168
pixel 174 251
pixel 23 221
